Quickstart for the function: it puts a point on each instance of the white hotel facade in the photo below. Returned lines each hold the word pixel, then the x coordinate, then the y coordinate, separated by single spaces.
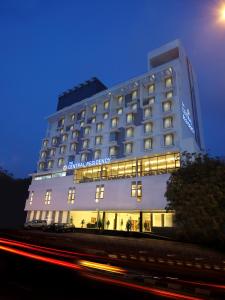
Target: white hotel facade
pixel 108 153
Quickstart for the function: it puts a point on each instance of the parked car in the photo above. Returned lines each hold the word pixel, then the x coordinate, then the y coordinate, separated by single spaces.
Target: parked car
pixel 35 224
pixel 59 227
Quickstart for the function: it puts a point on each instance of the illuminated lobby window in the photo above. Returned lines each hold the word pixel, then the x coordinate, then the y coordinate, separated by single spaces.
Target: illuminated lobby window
pixel 106 104
pixel 99 193
pixel 71 195
pixel 151 88
pixel 168 122
pixel 31 198
pixel 168 219
pixel 168 82
pixel 166 106
pixel 168 139
pixel 148 127
pixel 128 148
pixel 157 219
pixel 147 166
pixel 148 144
pixel 48 197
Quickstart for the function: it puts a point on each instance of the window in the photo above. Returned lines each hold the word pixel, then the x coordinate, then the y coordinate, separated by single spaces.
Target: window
pixel 129 132
pixel 43 154
pixel 168 122
pixel 151 100
pixel 31 198
pixel 136 190
pixel 98 140
pixel 134 106
pixel 93 120
pixel 72 117
pixel 61 122
pixel 71 195
pixel 168 139
pixel 45 143
pixel 41 165
pixel 167 105
pixel 87 130
pixel 106 105
pixel 62 149
pixel 157 219
pixel 83 112
pixel 73 147
pixel 151 88
pixel 94 108
pixel 147 112
pixel 105 116
pixel 60 162
pixel 50 164
pixel 61 130
pixel 120 100
pixel 148 127
pixel 134 95
pixel 82 124
pixel 75 134
pixel 112 151
pixel 64 138
pixel 52 152
pixel 99 193
pixel 85 144
pixel 48 197
pixel 168 82
pixel 114 122
pixel 83 157
pixel 130 118
pixel 97 154
pixel 99 126
pixel 169 95
pixel 148 144
pixel 54 141
pixel 119 111
pixel 71 127
pixel 128 148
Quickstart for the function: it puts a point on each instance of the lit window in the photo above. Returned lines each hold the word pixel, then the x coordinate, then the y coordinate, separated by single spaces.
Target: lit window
pixel 71 127
pixel 151 88
pixel 94 108
pixel 129 132
pixel 134 106
pixel 168 220
pixel 168 139
pixel 148 127
pixel 167 105
pixel 43 154
pixel 52 152
pixel 61 122
pixel 106 105
pixel 72 117
pixel 62 149
pixel 82 124
pixel 157 219
pixel 60 162
pixel 83 114
pixel 119 111
pixel 85 144
pixel 83 157
pixel 45 143
pixel 147 112
pixel 136 190
pixel 168 82
pixel 114 122
pixel 31 198
pixel 151 100
pixel 61 130
pixel 48 197
pixel 75 134
pixel 98 140
pixel 64 138
pixel 93 120
pixel 41 165
pixel 130 118
pixel 120 100
pixel 169 95
pixel 87 130
pixel 97 154
pixel 147 144
pixel 73 147
pixel 71 195
pixel 105 116
pixel 99 126
pixel 134 95
pixel 99 193
pixel 50 164
pixel 168 122
pixel 128 148
pixel 113 151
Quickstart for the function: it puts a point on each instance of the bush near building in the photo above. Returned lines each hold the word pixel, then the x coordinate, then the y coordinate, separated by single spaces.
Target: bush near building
pixel 196 192
pixel 13 194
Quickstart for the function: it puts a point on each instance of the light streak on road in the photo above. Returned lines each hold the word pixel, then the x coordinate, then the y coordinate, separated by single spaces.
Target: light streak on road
pixel 102 267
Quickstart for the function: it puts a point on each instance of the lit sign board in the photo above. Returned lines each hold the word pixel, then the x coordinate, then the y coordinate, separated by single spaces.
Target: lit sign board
pixel 187 118
pixel 74 165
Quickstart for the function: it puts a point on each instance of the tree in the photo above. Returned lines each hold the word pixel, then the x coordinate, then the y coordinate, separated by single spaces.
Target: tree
pixel 196 192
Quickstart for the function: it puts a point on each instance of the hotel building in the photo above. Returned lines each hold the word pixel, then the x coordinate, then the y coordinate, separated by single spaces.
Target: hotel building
pixel 108 152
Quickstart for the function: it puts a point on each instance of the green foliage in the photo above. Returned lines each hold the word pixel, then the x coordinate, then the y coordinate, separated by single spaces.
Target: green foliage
pixel 197 194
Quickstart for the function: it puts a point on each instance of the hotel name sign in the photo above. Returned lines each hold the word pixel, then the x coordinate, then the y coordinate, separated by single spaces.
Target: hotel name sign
pixel 75 165
pixel 187 118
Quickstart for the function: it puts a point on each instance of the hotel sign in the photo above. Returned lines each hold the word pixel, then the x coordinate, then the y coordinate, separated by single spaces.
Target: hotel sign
pixel 75 165
pixel 187 118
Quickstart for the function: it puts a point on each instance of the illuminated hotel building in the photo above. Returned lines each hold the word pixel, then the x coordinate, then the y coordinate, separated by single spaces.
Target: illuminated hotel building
pixel 108 152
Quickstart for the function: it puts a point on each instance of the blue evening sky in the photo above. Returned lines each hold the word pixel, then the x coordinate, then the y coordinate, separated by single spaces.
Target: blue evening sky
pixel 48 46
